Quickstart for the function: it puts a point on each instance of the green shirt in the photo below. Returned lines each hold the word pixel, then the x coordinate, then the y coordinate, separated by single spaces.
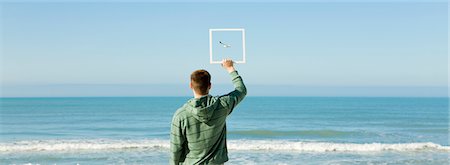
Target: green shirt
pixel 198 131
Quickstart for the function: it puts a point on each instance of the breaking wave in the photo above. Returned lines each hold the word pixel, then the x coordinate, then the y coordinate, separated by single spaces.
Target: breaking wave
pixel 246 145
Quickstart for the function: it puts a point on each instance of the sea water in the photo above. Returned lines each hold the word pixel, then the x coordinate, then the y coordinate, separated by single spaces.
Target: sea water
pixel 261 130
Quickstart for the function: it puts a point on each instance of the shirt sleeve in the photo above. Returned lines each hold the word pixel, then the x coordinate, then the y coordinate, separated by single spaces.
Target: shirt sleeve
pixel 235 97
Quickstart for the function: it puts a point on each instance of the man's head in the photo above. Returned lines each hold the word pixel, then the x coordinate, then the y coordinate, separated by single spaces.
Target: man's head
pixel 200 82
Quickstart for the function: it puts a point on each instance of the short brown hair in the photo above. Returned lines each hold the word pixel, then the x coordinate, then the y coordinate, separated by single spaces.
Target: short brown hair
pixel 200 80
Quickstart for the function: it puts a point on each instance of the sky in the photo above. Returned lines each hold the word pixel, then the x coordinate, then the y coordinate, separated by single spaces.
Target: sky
pixel 346 48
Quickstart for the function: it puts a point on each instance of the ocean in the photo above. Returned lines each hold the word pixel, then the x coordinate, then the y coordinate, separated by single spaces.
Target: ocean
pixel 261 130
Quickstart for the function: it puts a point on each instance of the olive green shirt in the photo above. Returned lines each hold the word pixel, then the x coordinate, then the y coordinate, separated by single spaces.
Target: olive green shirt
pixel 198 131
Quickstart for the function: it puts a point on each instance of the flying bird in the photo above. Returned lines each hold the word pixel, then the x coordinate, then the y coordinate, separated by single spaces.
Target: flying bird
pixel 224 45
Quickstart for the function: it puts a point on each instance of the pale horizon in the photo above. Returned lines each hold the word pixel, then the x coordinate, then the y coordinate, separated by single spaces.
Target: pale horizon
pixel 181 90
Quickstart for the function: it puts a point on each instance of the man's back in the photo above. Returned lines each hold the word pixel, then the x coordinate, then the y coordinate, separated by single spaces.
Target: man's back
pixel 198 134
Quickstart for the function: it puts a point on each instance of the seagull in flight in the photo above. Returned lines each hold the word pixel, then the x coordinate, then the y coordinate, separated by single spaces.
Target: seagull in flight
pixel 224 45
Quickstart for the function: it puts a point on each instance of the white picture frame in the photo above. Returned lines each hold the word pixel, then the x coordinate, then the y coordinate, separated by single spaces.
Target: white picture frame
pixel 211 61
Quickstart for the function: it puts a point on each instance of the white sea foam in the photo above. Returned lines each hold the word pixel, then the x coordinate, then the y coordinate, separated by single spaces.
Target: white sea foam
pixel 246 145
pixel 73 145
pixel 283 145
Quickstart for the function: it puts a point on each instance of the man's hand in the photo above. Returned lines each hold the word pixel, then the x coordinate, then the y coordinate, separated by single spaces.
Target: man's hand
pixel 227 64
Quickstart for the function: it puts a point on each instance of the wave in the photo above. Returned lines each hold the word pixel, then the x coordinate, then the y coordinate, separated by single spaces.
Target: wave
pixel 284 145
pixel 245 145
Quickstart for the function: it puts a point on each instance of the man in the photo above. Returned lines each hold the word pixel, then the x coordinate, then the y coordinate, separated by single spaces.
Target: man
pixel 198 131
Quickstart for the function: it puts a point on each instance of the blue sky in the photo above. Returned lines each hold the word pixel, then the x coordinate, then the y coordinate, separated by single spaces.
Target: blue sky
pixel 305 49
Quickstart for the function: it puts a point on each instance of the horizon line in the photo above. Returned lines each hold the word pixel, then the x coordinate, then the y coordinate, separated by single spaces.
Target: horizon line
pixel 176 84
pixel 162 96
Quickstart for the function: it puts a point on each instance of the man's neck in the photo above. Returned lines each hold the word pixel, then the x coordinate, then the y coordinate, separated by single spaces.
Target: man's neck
pixel 198 96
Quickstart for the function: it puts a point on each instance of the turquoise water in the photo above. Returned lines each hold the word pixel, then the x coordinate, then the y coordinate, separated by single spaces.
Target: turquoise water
pixel 262 130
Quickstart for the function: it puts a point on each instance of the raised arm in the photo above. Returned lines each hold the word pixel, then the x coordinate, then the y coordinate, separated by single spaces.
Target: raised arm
pixel 235 97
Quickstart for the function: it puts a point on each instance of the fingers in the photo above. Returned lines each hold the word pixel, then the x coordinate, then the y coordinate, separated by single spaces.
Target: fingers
pixel 227 62
pixel 223 62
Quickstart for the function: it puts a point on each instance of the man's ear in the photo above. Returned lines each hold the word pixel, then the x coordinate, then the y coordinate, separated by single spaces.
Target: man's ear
pixel 209 87
pixel 190 85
